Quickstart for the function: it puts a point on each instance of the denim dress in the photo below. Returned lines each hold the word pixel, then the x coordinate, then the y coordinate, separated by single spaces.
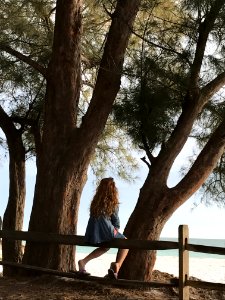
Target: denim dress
pixel 102 229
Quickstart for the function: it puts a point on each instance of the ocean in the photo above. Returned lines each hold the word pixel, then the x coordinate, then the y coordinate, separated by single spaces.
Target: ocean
pixel 207 267
pixel 174 252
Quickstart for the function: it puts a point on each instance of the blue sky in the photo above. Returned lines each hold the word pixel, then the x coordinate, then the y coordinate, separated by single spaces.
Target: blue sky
pixel 203 222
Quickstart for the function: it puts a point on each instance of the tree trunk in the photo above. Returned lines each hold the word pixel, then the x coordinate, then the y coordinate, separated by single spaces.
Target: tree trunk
pixel 157 203
pixel 145 223
pixel 61 182
pixel 13 216
pixel 66 150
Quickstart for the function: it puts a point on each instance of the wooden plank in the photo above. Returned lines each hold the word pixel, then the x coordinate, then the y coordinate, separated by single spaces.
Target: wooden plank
pixel 183 263
pixel 206 249
pixel 206 285
pixel 134 283
pixel 44 237
pixel 118 282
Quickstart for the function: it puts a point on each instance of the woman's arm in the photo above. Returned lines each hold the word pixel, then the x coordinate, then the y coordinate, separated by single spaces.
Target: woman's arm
pixel 115 219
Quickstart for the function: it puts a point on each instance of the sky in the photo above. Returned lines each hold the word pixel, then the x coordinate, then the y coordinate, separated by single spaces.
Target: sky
pixel 204 222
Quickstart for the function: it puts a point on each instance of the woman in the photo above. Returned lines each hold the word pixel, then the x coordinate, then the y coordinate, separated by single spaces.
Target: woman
pixel 103 225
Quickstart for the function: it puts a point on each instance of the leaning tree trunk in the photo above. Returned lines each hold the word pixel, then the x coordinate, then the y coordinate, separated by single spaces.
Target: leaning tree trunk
pixel 66 150
pixel 157 202
pixel 146 223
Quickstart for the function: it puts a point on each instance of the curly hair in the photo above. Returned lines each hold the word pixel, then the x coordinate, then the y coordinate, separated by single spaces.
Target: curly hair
pixel 105 200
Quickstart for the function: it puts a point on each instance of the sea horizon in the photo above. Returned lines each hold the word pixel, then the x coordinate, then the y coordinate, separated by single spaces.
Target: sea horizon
pixel 174 252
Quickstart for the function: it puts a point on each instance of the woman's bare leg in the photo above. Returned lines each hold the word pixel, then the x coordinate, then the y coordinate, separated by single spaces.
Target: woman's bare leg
pixel 121 255
pixel 94 254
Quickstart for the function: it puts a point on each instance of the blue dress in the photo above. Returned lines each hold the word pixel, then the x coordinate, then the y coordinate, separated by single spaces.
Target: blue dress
pixel 102 229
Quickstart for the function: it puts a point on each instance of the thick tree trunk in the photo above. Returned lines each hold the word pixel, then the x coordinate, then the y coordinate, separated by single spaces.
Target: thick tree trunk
pixel 61 170
pixel 157 203
pixel 57 197
pixel 65 151
pixel 145 223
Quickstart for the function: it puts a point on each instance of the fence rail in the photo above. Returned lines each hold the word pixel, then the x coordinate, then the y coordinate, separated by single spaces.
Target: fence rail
pixel 183 283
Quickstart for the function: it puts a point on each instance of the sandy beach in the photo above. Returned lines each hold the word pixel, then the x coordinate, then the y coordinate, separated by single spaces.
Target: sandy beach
pixel 57 288
pixel 206 269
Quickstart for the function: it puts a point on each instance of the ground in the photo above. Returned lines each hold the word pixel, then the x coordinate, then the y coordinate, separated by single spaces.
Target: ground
pixel 57 288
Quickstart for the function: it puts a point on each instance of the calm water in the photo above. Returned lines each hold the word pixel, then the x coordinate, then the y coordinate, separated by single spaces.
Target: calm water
pixel 206 242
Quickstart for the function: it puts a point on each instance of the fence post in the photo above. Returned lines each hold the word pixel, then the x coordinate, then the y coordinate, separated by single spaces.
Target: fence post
pixel 0 239
pixel 183 262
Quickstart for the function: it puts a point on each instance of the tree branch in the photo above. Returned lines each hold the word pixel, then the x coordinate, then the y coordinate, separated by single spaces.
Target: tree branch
pixel 195 99
pixel 213 86
pixel 23 121
pixel 8 128
pixel 146 148
pixel 35 130
pixel 25 59
pixel 204 30
pixel 109 75
pixel 145 161
pixel 179 54
pixel 203 165
pixel 6 123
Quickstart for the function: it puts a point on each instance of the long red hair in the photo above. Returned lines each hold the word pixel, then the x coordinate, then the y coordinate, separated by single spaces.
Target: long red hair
pixel 105 200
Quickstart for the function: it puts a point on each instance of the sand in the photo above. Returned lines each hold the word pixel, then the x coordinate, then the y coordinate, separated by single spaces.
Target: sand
pixel 55 288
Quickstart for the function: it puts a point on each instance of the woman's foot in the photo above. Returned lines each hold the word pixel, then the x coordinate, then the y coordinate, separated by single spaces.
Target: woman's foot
pixel 115 267
pixel 112 274
pixel 81 265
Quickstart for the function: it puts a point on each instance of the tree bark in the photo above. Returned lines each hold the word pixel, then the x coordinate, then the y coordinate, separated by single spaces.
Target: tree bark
pixel 13 216
pixel 156 202
pixel 66 149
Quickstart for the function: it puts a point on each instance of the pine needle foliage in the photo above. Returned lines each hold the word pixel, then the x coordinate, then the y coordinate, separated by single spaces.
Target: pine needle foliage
pixel 27 27
pixel 157 80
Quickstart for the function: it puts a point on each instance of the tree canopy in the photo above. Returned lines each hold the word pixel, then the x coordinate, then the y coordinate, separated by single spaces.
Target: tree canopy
pixel 63 64
pixel 29 27
pixel 149 107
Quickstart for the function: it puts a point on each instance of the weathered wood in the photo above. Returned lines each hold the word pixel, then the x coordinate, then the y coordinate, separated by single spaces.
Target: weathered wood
pixel 183 263
pixel 184 247
pixel 0 237
pixel 43 237
pixel 118 282
pixel 206 285
pixel 131 244
pixel 134 283
pixel 206 249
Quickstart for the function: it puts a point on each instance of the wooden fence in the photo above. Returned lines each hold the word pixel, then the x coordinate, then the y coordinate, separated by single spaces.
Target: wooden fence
pixel 182 283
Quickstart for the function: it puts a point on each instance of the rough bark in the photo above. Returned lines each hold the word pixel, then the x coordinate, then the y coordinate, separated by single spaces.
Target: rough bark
pixel 66 149
pixel 156 202
pixel 13 216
